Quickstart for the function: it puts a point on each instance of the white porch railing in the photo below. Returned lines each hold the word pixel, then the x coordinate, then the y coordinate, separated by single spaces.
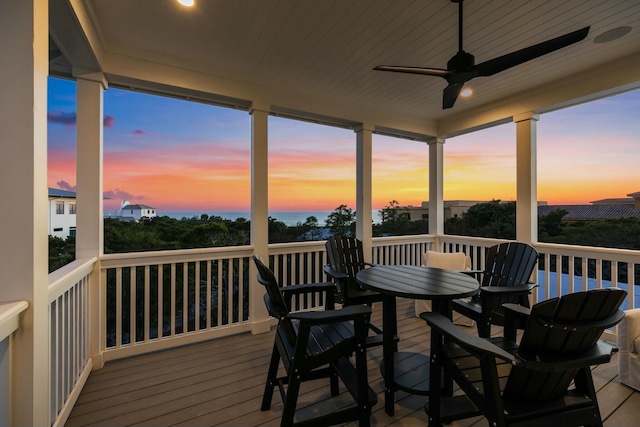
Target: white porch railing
pixel 157 300
pixel 70 361
pixel 9 322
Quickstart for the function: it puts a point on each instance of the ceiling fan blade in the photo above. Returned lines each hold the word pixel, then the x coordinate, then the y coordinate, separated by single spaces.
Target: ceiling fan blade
pixel 450 94
pixel 438 72
pixel 501 63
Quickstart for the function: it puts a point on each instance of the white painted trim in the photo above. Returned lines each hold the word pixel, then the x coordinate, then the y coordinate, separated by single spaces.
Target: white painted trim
pixel 10 317
pixel 63 415
pixel 174 341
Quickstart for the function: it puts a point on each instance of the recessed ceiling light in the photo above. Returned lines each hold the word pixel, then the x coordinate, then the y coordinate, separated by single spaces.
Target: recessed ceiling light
pixel 613 34
pixel 466 92
pixel 187 3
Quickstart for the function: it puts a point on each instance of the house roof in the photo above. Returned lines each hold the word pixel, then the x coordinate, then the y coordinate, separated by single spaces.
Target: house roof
pixel 56 192
pixel 313 60
pixel 592 212
pixel 137 206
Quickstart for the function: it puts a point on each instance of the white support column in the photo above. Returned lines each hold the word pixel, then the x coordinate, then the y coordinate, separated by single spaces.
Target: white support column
pixel 259 212
pixel 23 191
pixel 89 217
pixel 526 183
pixel 436 185
pixel 364 228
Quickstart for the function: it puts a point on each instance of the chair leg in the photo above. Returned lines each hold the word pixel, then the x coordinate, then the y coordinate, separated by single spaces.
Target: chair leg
pixel 364 418
pixel 584 384
pixel 272 378
pixel 333 384
pixel 291 400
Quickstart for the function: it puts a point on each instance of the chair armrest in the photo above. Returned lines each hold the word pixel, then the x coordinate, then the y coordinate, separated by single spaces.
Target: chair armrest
pixel 306 288
pixel 351 312
pixel 507 290
pixel 471 343
pixel 328 288
pixel 600 353
pixel 333 273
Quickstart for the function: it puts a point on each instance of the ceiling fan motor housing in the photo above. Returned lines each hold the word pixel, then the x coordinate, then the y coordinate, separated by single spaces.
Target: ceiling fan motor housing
pixel 461 61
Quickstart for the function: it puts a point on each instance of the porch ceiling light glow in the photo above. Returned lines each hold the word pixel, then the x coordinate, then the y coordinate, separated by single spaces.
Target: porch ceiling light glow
pixel 187 3
pixel 466 93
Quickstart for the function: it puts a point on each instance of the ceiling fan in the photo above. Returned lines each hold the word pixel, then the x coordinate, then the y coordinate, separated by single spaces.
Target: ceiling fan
pixel 462 67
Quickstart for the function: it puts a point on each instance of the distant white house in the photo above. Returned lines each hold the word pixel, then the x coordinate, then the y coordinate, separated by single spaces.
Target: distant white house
pixel 62 213
pixel 137 212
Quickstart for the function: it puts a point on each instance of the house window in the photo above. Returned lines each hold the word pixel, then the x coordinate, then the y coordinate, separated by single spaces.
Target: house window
pixel 72 208
pixel 72 231
pixel 57 229
pixel 60 208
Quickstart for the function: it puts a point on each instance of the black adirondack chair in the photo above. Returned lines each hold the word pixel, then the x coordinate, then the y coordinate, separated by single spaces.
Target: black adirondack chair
pixel 345 258
pixel 504 279
pixel 314 345
pixel 544 381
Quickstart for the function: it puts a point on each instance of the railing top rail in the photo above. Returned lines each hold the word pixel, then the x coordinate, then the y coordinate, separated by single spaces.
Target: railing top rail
pixel 626 255
pixel 404 239
pixel 184 255
pixel 9 317
pixel 67 276
pixel 282 248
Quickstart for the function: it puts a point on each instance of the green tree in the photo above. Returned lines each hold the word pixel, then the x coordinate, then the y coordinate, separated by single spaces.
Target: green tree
pixel 493 219
pixel 342 221
pixel 551 225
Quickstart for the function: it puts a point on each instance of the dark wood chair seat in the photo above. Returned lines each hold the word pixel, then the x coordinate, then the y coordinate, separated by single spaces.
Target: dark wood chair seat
pixel 314 345
pixel 545 380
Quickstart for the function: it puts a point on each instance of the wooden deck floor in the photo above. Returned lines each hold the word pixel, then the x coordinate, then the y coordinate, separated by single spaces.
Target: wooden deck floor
pixel 220 383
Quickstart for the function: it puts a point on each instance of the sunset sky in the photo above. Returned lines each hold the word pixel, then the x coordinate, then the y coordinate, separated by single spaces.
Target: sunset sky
pixel 182 156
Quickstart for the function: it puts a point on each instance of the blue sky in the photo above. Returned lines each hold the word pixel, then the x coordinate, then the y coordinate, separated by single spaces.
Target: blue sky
pixel 179 155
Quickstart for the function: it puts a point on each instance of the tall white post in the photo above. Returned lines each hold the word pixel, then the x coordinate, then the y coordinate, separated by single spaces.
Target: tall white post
pixel 89 218
pixel 526 183
pixel 364 228
pixel 23 191
pixel 436 185
pixel 259 212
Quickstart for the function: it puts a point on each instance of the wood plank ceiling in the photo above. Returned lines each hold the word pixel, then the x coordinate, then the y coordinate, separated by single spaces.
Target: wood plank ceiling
pixel 323 51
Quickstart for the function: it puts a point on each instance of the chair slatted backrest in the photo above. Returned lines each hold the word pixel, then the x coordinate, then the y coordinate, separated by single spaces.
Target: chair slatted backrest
pixel 509 264
pixel 345 255
pixel 275 301
pixel 558 329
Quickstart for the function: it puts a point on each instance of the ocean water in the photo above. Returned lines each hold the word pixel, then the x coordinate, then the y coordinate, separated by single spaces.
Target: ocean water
pixel 289 218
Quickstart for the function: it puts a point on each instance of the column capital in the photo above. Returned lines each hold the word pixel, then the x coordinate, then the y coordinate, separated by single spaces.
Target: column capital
pixel 364 126
pixel 529 115
pixel 436 140
pixel 90 75
pixel 259 106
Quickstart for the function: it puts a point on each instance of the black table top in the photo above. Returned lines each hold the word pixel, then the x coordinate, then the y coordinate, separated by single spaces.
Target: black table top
pixel 418 282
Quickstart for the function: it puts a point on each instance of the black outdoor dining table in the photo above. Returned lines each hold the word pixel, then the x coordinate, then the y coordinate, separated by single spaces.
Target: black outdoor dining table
pixel 410 371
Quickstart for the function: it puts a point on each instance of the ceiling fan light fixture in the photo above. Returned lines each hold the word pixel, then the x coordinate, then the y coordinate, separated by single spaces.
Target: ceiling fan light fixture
pixel 466 92
pixel 187 3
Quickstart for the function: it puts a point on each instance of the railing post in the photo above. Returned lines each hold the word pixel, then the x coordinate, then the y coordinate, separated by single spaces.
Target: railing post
pixel 259 213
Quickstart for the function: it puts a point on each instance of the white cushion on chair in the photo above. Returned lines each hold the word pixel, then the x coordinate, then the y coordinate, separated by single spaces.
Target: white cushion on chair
pixel 447 261
pixel 629 346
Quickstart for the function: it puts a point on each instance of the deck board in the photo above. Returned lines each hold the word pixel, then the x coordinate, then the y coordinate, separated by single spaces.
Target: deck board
pixel 220 383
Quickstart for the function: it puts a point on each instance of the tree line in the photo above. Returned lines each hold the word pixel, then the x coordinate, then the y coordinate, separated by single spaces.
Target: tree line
pixel 493 219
